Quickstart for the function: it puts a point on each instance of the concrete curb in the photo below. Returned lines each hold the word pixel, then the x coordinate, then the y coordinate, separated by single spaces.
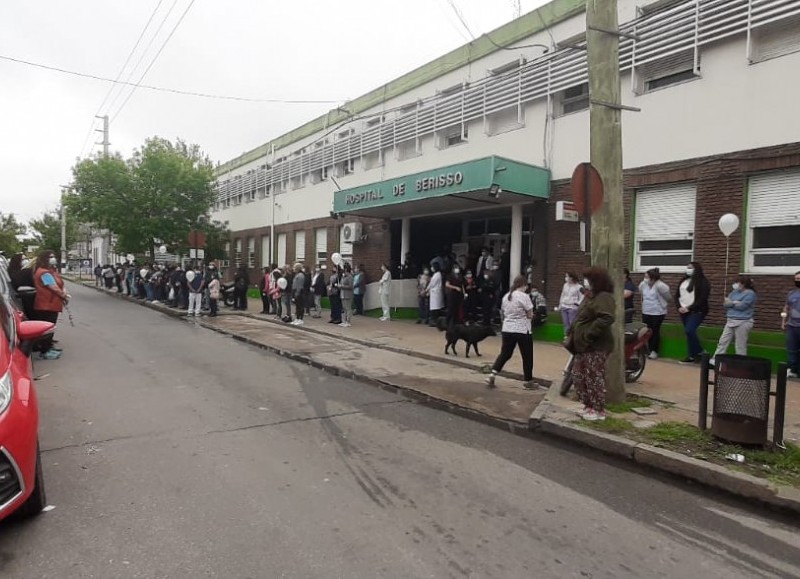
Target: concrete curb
pixel 711 475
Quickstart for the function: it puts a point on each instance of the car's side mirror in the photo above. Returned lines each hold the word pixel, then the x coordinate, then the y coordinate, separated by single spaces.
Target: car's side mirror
pixel 32 331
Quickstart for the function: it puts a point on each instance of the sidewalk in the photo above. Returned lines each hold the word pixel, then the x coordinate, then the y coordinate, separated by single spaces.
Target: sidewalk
pixel 674 386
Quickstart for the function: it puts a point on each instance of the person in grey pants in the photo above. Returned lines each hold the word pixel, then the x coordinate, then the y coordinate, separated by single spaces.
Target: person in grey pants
pixel 739 307
pixel 346 288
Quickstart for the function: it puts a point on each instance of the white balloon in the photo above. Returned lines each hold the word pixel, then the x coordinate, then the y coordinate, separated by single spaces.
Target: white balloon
pixel 336 258
pixel 162 250
pixel 190 276
pixel 728 223
pixel 282 283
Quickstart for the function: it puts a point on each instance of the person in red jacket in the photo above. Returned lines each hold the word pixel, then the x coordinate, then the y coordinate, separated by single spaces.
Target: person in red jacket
pixel 50 298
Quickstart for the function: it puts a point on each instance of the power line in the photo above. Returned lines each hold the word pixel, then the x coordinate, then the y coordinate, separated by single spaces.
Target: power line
pixel 460 17
pixel 132 71
pixel 119 75
pixel 166 89
pixel 155 58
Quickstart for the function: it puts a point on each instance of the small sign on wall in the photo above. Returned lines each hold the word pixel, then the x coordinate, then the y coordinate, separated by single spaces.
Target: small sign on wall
pixel 565 211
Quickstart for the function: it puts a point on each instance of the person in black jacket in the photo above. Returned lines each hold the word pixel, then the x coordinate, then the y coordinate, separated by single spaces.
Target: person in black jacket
pixel 692 300
pixel 240 282
pixel 318 289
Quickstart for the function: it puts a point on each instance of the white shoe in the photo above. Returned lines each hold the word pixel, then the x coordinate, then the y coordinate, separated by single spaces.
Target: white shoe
pixel 592 416
pixel 581 411
pixel 382 319
pixel 343 324
pixel 653 355
pixel 790 374
pixel 348 325
pixel 299 323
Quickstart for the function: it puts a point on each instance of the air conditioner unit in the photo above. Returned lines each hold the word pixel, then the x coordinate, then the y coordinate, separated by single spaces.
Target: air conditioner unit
pixel 351 232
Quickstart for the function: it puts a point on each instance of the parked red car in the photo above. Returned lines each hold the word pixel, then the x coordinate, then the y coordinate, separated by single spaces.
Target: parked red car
pixel 21 480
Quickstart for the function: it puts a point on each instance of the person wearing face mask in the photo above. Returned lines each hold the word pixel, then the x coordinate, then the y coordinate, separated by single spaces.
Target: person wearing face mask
pixel 655 298
pixel 196 283
pixel 383 290
pixel 739 308
pixel 470 297
pixel 790 323
pixel 435 294
pixel 454 287
pixel 571 298
pixel 423 299
pixel 318 289
pixel 692 300
pixel 539 306
pixel 50 298
pixel 359 289
pixel 591 341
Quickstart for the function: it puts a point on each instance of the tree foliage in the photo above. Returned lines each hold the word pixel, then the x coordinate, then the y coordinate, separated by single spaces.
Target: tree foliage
pixel 155 196
pixel 10 230
pixel 46 230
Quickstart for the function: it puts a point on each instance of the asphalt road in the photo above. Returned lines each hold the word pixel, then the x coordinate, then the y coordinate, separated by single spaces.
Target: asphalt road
pixel 173 451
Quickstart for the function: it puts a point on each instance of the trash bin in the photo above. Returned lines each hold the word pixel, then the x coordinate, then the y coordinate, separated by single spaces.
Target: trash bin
pixel 741 399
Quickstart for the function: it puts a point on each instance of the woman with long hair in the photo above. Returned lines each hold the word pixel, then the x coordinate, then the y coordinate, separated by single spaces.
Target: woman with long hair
pixel 570 300
pixel 655 298
pixel 517 310
pixel 435 293
pixel 591 340
pixel 692 300
pixel 455 296
pixel 739 308
pixel 50 298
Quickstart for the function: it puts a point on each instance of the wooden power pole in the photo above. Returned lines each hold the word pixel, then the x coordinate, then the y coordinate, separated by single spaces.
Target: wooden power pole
pixel 605 118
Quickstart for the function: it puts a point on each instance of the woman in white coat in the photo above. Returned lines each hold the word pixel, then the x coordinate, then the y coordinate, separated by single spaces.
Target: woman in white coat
pixel 436 293
pixel 383 291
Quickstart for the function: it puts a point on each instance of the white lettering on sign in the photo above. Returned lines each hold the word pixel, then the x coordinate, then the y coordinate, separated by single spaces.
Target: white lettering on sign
pixel 439 181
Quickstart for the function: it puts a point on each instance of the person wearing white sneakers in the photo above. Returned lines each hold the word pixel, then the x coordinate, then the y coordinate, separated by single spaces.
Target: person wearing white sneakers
pixel 383 291
pixel 517 310
pixel 656 295
pixel 346 292
pixel 591 340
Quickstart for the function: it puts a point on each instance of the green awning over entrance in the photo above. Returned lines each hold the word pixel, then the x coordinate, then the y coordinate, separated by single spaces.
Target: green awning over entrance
pixel 467 183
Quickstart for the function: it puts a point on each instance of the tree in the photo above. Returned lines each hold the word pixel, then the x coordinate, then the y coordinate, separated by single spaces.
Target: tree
pixel 46 231
pixel 10 231
pixel 157 194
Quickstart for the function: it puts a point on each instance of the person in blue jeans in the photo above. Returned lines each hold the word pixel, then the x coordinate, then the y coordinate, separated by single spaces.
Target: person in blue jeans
pixel 692 300
pixel 790 323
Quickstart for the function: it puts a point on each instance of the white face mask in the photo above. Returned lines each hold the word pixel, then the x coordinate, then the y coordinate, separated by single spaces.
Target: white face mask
pixel 456 270
pixel 736 287
pixel 690 271
pixel 53 261
pixel 566 279
pixel 586 284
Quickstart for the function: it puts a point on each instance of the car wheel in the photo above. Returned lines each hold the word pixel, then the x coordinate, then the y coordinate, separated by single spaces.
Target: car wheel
pixel 37 500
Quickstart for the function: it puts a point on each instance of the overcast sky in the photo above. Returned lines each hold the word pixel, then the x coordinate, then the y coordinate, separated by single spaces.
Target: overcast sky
pixel 321 50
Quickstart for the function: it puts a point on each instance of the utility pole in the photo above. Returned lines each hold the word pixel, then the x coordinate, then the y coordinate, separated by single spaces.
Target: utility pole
pixel 605 120
pixel 105 141
pixel 63 233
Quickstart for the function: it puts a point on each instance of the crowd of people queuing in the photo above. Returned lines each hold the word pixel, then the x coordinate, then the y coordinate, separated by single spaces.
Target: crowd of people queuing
pixel 447 288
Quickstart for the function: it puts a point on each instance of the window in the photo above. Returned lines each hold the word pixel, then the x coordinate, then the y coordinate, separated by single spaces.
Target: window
pixel 373 160
pixel 573 99
pixel 227 202
pixel 452 136
pixel 251 252
pixel 773 228
pixel 407 150
pixel 238 255
pixel 321 244
pixel 666 71
pixel 296 182
pixel 775 39
pixel 281 249
pixel 300 246
pixel 251 196
pixel 320 175
pixel 346 167
pixel 508 119
pixel 664 235
pixel 227 251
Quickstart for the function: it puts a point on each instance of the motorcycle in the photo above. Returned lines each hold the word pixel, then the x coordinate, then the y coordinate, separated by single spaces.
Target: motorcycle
pixel 637 337
pixel 226 294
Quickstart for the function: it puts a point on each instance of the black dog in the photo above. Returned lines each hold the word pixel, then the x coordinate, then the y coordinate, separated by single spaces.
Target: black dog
pixel 472 335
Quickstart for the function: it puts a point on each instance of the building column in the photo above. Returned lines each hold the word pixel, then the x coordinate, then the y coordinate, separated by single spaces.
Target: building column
pixel 515 254
pixel 405 239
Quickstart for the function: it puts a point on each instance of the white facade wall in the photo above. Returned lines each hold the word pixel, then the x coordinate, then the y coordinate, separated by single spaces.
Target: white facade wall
pixel 733 106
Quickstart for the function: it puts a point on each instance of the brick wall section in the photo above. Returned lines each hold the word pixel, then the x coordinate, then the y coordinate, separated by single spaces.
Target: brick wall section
pixel 372 252
pixel 721 183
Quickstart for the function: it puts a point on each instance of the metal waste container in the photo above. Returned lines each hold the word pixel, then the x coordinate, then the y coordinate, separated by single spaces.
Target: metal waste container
pixel 741 399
